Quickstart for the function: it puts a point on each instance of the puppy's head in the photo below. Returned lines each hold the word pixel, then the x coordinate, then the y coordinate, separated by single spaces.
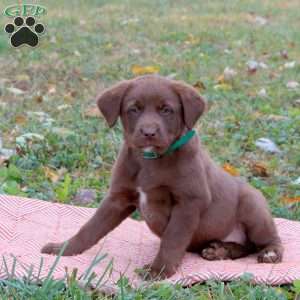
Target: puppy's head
pixel 154 110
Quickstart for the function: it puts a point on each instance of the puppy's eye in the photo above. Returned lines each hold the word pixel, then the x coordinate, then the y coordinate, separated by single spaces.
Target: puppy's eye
pixel 166 110
pixel 133 110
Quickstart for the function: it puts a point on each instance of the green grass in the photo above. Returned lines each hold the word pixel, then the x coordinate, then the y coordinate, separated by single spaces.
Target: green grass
pixel 89 46
pixel 87 287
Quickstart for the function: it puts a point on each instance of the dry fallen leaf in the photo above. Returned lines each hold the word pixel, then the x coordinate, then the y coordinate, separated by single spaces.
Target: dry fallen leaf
pixel 251 93
pixel 68 97
pixel 257 115
pixel 267 145
pixel 261 21
pixel 82 22
pixel 62 131
pixel 192 40
pixel 287 200
pixel 262 93
pixel 274 75
pixel 130 21
pixel 51 89
pixel 252 66
pixel 229 73
pixel 230 169
pixel 277 117
pixel 22 77
pixel 140 70
pixel 92 111
pixel 262 65
pixel 38 98
pixel 51 174
pixel 20 119
pixel 77 53
pixel 136 51
pixel 223 87
pixel 221 79
pixel 284 54
pixel 259 169
pixel 63 106
pixel 290 65
pixel 292 85
pixel 199 85
pixel 3 160
pixel 15 91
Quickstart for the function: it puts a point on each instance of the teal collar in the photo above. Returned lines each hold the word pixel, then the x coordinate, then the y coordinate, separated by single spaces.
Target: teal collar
pixel 172 148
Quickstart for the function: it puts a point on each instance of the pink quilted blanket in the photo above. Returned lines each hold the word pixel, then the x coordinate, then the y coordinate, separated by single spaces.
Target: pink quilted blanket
pixel 27 224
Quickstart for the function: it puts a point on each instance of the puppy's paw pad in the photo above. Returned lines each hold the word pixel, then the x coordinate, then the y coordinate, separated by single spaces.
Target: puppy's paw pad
pixel 215 251
pixel 269 256
pixel 209 254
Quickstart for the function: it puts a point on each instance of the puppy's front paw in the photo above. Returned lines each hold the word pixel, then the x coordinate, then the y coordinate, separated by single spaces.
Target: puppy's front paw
pixel 53 248
pixel 271 254
pixel 150 272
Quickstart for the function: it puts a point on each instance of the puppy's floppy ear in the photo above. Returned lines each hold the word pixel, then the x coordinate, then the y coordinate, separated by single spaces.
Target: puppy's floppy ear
pixel 110 101
pixel 193 104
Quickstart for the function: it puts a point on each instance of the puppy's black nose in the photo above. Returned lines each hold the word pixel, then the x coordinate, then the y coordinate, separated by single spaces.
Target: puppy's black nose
pixel 149 132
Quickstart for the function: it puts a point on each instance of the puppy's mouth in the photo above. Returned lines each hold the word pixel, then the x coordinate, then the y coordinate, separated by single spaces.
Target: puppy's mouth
pixel 159 146
pixel 149 148
pixel 152 147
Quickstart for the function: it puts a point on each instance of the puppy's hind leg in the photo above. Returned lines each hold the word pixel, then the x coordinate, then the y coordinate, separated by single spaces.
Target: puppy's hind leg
pixel 260 227
pixel 219 250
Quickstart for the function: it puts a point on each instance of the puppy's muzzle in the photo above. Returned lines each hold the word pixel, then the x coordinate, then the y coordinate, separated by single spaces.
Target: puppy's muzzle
pixel 149 131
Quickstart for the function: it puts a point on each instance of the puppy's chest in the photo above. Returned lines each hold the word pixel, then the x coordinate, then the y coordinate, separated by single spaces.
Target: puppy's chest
pixel 155 203
pixel 152 178
pixel 142 199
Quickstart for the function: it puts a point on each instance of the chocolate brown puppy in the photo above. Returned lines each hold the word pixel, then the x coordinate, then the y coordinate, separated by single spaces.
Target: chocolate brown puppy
pixel 163 171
